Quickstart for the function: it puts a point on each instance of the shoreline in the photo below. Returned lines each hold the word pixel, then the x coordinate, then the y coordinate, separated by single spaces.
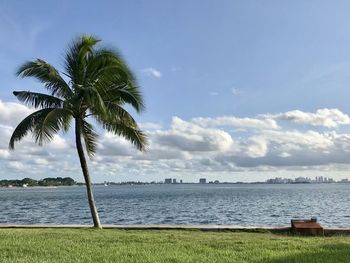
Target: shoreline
pixel 212 228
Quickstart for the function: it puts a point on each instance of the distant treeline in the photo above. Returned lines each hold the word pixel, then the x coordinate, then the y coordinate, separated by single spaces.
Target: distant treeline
pixel 58 181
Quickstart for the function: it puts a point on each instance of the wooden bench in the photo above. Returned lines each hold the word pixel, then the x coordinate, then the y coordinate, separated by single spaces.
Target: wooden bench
pixel 307 227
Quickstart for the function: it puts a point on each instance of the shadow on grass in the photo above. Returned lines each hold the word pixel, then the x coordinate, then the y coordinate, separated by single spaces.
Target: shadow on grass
pixel 337 253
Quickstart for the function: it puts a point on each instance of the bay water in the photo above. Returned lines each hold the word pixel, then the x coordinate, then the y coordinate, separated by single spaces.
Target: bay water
pixel 220 204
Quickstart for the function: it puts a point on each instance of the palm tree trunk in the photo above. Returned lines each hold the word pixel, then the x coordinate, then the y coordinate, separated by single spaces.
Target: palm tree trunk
pixel 85 170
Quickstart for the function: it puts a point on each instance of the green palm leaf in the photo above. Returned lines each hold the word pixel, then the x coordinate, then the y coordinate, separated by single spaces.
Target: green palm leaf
pixel 108 72
pixel 38 100
pixel 126 130
pixel 93 100
pixel 50 124
pixel 77 56
pixel 128 94
pixel 108 64
pixel 27 125
pixel 48 75
pixel 90 138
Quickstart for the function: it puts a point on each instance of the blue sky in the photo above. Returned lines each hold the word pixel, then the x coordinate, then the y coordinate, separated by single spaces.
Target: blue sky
pixel 203 59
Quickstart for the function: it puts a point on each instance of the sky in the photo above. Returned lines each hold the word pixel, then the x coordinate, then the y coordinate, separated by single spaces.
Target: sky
pixel 234 90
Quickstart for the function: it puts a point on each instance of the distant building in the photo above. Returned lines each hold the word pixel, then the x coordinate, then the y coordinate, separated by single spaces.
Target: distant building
pixel 174 181
pixel 317 179
pixel 167 181
pixel 344 180
pixel 180 181
pixel 216 182
pixel 320 179
pixel 202 180
pixel 279 180
pixel 302 180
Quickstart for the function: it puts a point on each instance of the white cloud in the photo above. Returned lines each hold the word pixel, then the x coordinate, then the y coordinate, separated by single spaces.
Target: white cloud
pixel 236 122
pixel 41 161
pixel 150 126
pixel 330 118
pixel 188 136
pixel 58 143
pixel 198 145
pixel 213 93
pixel 152 72
pixel 159 152
pixel 4 154
pixel 5 134
pixel 285 154
pixel 291 150
pixel 12 113
pixel 293 140
pixel 19 166
pixel 235 91
pixel 112 145
pixel 256 147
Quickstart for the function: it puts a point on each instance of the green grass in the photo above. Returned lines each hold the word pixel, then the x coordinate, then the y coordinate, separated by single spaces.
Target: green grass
pixel 85 245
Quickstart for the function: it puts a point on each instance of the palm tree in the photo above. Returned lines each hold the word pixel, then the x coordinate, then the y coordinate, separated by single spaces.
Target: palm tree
pixel 96 86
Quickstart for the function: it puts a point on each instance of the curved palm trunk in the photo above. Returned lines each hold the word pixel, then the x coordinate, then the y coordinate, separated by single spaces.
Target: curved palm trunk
pixel 85 170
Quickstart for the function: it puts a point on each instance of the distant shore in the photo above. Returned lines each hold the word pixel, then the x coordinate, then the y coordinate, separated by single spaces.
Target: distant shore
pixel 209 183
pixel 46 182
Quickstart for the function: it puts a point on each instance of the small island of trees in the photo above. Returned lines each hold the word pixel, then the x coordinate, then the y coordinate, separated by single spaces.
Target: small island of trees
pixel 58 181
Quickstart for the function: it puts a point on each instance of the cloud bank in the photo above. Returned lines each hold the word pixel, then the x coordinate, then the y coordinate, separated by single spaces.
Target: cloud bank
pixel 268 142
pixel 330 118
pixel 152 72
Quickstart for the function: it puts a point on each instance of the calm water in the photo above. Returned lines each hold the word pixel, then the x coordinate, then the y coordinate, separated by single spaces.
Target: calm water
pixel 245 205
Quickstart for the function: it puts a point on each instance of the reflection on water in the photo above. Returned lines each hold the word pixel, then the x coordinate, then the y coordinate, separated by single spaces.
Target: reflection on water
pixel 245 205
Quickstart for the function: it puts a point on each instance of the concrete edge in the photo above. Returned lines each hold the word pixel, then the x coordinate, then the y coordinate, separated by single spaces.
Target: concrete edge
pixel 214 228
pixel 150 226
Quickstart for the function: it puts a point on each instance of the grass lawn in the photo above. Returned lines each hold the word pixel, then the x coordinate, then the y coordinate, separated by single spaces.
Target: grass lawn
pixel 109 245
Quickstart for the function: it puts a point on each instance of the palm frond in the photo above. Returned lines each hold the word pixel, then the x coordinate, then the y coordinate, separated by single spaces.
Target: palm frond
pixel 27 125
pixel 93 100
pixel 38 100
pixel 48 75
pixel 106 62
pixel 115 111
pixel 77 55
pixel 109 73
pixel 122 128
pixel 50 124
pixel 127 94
pixel 90 138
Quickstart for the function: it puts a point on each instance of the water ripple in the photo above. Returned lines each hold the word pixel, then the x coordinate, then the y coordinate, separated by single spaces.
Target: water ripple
pixel 246 205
